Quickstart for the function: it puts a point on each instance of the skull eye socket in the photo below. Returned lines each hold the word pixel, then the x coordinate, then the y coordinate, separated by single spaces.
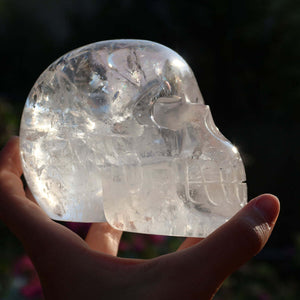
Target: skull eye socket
pixel 167 112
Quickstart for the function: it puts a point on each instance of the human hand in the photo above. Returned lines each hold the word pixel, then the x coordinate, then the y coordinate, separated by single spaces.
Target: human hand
pixel 71 268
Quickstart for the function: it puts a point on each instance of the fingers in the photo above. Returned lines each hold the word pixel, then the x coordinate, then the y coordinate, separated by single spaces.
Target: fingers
pixel 24 218
pixel 13 200
pixel 104 238
pixel 230 246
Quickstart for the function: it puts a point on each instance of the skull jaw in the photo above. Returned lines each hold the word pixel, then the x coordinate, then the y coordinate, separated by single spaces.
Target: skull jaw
pixel 173 217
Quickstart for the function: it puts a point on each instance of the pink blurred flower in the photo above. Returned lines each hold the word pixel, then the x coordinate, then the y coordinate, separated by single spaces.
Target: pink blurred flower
pixel 24 268
pixel 32 289
pixel 139 242
pixel 23 265
pixel 157 239
pixel 124 246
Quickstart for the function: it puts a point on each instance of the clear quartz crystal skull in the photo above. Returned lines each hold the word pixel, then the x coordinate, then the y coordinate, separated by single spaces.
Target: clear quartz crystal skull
pixel 118 131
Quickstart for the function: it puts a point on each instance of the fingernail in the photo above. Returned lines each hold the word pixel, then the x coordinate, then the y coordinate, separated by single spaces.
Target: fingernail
pixel 268 206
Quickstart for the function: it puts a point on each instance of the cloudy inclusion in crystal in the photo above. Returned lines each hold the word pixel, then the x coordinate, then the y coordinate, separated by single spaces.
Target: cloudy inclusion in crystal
pixel 118 131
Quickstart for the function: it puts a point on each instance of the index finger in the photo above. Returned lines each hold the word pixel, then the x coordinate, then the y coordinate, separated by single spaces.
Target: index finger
pixel 23 217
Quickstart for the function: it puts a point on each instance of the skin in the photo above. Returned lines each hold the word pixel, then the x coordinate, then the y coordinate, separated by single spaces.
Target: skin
pixel 71 268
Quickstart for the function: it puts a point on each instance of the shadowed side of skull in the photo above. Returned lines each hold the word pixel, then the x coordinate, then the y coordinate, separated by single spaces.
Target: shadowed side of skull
pixel 191 187
pixel 213 170
pixel 181 177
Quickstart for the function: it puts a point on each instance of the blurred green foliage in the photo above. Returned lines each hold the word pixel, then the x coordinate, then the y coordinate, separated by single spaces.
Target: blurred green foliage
pixel 246 57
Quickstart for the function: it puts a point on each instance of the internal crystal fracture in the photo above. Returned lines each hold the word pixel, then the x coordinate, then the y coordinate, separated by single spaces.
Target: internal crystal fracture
pixel 118 131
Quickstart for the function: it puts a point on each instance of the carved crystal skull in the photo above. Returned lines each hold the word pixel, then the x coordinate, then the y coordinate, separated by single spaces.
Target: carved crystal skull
pixel 118 131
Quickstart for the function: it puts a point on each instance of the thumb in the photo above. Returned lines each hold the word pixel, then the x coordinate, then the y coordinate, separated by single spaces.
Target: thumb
pixel 217 256
pixel 243 236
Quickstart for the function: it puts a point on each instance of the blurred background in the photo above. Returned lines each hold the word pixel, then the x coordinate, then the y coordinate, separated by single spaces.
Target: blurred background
pixel 246 58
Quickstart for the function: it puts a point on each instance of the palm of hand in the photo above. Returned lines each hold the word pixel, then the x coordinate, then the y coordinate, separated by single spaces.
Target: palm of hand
pixel 71 268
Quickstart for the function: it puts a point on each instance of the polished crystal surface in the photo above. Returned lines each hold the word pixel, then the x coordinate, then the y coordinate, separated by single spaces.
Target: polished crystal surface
pixel 118 131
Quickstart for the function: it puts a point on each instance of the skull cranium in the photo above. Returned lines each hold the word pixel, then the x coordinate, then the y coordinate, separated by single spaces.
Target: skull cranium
pixel 118 131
